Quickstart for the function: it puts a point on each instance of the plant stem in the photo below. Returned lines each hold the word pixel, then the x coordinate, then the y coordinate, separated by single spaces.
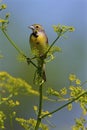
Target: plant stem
pixel 40 108
pixel 40 90
pixel 58 109
pixel 11 123
pixel 13 43
pixel 18 50
pixel 53 44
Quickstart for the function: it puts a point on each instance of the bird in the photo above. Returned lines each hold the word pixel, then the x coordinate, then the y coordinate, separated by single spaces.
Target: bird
pixel 39 42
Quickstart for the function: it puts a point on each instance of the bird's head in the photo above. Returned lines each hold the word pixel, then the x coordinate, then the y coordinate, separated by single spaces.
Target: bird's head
pixel 36 28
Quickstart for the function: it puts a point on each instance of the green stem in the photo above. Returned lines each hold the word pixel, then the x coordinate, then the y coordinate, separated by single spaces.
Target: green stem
pixel 40 108
pixel 53 44
pixel 40 91
pixel 18 50
pixel 11 123
pixel 30 61
pixel 13 43
pixel 58 109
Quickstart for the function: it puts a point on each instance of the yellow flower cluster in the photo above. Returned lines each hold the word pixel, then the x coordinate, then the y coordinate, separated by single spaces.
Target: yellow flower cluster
pixel 72 78
pixel 61 29
pixel 43 112
pixel 3 6
pixel 30 124
pixel 2 118
pixel 11 103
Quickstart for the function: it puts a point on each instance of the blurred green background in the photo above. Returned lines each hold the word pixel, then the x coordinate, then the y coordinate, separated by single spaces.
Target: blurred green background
pixel 71 60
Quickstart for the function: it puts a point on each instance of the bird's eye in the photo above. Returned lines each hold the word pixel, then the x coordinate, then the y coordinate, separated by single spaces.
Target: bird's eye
pixel 37 26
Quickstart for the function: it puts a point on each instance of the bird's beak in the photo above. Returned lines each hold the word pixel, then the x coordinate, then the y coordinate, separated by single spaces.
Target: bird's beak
pixel 31 27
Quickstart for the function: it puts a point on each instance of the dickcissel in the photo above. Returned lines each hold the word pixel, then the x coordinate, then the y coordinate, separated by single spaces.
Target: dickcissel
pixel 38 42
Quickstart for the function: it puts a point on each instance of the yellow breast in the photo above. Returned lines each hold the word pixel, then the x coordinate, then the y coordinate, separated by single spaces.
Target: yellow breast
pixel 38 43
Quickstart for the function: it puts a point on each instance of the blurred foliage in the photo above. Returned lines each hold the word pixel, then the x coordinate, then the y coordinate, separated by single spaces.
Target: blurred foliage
pixel 2 119
pixel 30 124
pixel 80 124
pixel 69 93
pixel 3 6
pixel 11 87
pixel 14 86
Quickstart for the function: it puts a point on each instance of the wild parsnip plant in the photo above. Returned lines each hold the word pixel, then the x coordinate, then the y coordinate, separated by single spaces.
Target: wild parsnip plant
pixel 11 87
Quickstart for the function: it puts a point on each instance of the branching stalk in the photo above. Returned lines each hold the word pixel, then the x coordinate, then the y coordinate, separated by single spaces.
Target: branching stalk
pixel 18 50
pixel 39 118
pixel 58 109
pixel 52 44
pixel 13 44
